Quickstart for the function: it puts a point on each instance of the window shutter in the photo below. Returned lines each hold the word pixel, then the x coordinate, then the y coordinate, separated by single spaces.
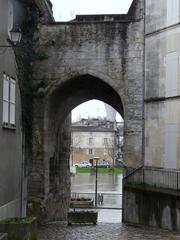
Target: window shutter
pixel 9 97
pixel 12 100
pixel 12 90
pixel 5 98
pixel 5 88
pixel 171 74
pixel 172 12
pixel 5 112
pixel 12 113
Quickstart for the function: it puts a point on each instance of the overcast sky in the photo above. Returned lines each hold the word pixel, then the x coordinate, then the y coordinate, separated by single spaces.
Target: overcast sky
pixel 93 108
pixel 65 10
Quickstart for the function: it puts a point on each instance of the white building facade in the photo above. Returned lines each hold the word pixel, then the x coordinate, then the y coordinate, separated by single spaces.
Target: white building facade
pixel 94 140
pixel 162 84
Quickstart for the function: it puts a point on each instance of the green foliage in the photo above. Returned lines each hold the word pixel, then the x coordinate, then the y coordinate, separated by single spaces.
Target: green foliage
pixel 115 171
pixel 25 56
pixel 139 185
pixel 18 220
pixel 20 228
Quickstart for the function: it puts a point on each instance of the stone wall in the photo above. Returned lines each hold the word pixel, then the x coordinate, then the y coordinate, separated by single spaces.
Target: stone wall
pixel 81 61
pixel 109 51
pixel 152 208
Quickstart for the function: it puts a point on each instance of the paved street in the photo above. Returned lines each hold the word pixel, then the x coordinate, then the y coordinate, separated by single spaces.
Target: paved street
pixel 102 231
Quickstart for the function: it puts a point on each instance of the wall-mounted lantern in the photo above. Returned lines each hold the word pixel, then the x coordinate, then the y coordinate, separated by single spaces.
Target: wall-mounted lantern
pixel 15 35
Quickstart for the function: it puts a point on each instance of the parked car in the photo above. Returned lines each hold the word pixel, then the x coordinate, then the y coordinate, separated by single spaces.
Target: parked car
pixel 82 164
pixel 104 165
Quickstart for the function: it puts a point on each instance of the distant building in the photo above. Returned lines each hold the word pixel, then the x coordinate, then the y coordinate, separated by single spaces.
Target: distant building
pixel 110 113
pixel 95 138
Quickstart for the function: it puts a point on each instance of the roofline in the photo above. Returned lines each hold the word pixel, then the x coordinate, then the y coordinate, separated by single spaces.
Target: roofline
pixel 79 129
pixel 45 4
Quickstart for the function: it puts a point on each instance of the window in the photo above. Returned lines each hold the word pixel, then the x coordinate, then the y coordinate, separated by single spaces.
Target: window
pixel 76 141
pixel 90 141
pixel 9 90
pixel 172 12
pixel 90 151
pixel 171 74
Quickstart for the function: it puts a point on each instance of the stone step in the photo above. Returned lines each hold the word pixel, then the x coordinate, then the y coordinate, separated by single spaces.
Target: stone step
pixel 3 236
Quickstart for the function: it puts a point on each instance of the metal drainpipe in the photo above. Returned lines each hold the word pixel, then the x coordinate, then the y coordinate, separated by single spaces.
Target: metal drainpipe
pixel 143 105
pixel 22 210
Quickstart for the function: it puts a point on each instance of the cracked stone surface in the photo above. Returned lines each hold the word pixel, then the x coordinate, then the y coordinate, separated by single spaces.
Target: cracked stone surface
pixel 102 231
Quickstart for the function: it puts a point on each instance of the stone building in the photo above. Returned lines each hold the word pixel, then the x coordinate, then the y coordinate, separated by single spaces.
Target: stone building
pixel 162 84
pixel 129 61
pixel 94 138
pixel 93 57
pixel 162 121
pixel 12 158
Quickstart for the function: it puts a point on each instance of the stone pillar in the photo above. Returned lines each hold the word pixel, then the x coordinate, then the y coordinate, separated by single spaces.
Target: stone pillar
pixel 58 201
pixel 35 163
pixel 49 177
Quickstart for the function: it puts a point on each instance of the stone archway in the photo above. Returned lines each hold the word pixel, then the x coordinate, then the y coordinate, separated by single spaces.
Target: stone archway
pixel 81 61
pixel 50 180
pixel 59 104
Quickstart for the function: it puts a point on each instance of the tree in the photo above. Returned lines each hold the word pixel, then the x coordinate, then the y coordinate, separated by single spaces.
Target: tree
pixel 111 148
pixel 74 144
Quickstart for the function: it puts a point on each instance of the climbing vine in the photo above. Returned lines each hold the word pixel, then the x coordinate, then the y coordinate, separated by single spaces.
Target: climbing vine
pixel 25 56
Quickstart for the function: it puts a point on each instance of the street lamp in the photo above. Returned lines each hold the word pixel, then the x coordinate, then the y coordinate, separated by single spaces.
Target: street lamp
pixel 96 159
pixel 15 37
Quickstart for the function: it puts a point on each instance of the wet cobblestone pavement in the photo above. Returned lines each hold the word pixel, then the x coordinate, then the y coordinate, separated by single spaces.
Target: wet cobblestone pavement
pixel 103 231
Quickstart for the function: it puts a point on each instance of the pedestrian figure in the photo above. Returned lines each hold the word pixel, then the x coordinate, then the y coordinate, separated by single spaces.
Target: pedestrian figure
pixel 100 198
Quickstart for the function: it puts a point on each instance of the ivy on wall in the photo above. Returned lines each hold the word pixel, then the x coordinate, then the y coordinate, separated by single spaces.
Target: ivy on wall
pixel 25 56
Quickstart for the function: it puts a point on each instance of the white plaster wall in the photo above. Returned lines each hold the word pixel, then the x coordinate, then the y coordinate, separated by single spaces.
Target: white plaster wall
pixel 157 49
pixel 162 134
pixel 162 85
pixel 161 14
pixel 81 139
